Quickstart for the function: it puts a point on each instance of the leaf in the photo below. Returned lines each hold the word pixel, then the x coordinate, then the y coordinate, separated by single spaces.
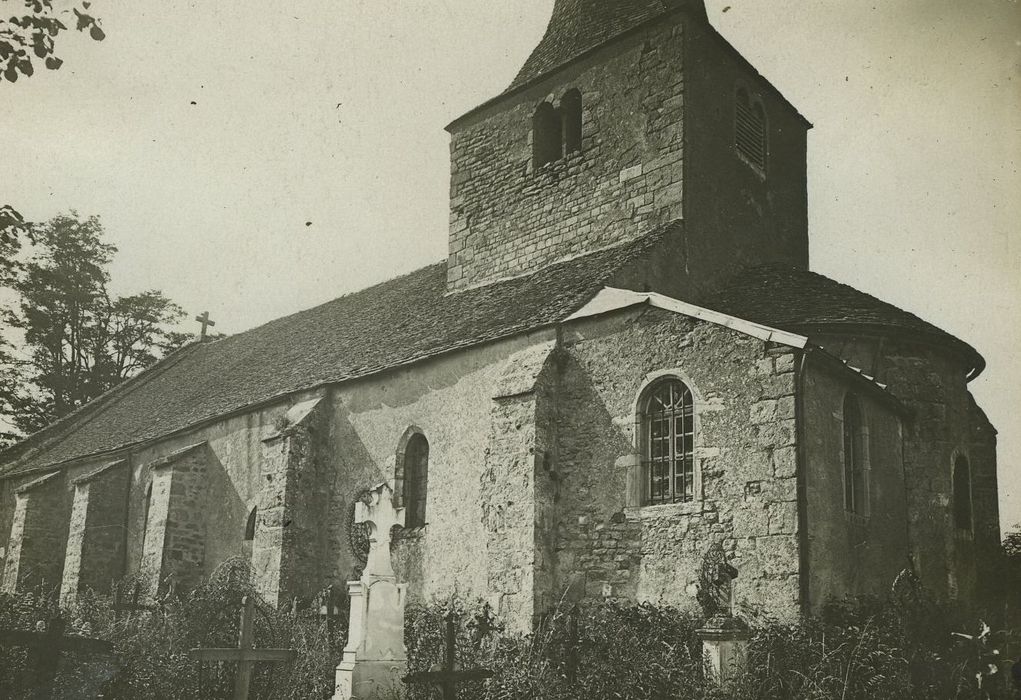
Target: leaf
pixel 53 63
pixel 26 67
pixel 11 73
pixel 97 33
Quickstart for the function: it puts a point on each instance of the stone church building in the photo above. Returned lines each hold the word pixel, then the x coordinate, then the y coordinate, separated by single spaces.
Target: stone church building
pixel 624 360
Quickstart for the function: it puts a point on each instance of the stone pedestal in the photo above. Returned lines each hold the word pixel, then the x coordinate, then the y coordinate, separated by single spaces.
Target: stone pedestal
pixel 375 659
pixel 724 647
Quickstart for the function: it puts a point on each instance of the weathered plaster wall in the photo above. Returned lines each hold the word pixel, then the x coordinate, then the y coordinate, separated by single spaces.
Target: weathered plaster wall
pixel 931 383
pixel 736 215
pixel 451 399
pixel 745 451
pixel 851 554
pixel 507 219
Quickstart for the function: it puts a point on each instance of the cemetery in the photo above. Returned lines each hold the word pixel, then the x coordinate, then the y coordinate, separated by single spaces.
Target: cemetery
pixel 222 641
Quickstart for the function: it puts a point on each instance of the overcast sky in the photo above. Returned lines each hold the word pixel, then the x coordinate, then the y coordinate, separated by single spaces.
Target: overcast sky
pixel 206 135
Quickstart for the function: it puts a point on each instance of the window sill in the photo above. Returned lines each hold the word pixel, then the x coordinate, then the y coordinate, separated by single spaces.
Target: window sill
pixel 664 510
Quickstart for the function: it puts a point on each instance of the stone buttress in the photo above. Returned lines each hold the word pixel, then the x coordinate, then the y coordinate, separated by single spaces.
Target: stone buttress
pixel 97 533
pixel 38 533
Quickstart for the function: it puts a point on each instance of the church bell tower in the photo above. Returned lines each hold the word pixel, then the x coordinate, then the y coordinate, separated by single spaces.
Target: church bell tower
pixel 628 118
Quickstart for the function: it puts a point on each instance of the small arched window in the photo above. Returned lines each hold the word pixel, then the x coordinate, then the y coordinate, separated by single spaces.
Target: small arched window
pixel 962 494
pixel 416 480
pixel 750 129
pixel 855 447
pixel 570 111
pixel 667 433
pixel 253 519
pixel 546 129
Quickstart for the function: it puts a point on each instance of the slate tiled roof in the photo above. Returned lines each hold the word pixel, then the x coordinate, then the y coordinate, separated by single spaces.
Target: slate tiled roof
pixel 802 301
pixel 580 25
pixel 385 326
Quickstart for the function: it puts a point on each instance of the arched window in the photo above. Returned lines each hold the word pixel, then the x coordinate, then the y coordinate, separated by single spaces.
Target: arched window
pixel 253 518
pixel 667 433
pixel 416 480
pixel 546 129
pixel 856 488
pixel 962 494
pixel 570 111
pixel 750 129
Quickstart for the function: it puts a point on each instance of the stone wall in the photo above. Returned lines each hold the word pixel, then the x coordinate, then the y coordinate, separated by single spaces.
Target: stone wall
pixel 746 492
pixel 95 550
pixel 736 215
pixel 38 534
pixel 851 554
pixel 289 551
pixel 173 552
pixel 507 218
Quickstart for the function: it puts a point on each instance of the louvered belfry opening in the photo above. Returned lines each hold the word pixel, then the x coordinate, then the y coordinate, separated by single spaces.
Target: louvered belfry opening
pixel 750 129
pixel 668 442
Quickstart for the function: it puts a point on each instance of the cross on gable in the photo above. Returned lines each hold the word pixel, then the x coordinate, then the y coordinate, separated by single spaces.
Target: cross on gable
pixel 203 318
pixel 245 655
pixel 380 515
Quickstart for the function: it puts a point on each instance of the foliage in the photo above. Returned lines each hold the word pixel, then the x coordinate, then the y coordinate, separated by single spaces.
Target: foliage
pixel 33 34
pixel 151 649
pixel 78 340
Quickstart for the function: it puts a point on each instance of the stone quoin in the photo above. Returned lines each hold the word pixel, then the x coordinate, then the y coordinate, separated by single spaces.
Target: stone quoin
pixel 624 361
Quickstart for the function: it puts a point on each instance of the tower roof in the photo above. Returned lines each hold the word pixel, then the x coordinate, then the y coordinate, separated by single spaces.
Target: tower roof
pixel 577 26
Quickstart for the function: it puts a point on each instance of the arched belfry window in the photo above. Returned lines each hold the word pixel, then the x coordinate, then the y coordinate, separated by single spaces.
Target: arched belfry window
pixel 253 518
pixel 415 475
pixel 546 128
pixel 667 434
pixel 962 494
pixel 856 490
pixel 570 111
pixel 750 129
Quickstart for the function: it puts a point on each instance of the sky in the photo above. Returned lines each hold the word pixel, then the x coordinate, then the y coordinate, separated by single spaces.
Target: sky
pixel 256 158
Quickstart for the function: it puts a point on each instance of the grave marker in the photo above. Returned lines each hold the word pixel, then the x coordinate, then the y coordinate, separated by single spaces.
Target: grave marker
pixel 245 655
pixel 45 647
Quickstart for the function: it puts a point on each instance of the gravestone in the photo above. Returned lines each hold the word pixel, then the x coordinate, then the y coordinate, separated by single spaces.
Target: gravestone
pixel 724 635
pixel 375 659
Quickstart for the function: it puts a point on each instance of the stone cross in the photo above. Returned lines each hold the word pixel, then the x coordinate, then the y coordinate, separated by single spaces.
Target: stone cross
pixel 203 318
pixel 245 655
pixel 375 659
pixel 380 516
pixel 45 646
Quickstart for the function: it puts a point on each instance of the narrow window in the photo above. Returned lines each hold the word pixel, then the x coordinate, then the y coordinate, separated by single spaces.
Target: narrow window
pixel 253 518
pixel 416 480
pixel 750 129
pixel 545 135
pixel 570 110
pixel 855 477
pixel 668 446
pixel 962 494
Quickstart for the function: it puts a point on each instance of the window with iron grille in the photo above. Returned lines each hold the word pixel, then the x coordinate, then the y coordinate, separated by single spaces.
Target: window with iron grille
pixel 416 480
pixel 750 129
pixel 855 445
pixel 668 442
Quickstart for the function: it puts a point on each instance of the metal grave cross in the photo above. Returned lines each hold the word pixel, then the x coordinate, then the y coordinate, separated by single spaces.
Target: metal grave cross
pixel 448 676
pixel 203 318
pixel 245 655
pixel 45 646
pixel 124 605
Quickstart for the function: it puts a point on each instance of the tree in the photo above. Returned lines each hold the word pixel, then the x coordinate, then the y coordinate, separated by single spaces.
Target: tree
pixel 78 342
pixel 33 34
